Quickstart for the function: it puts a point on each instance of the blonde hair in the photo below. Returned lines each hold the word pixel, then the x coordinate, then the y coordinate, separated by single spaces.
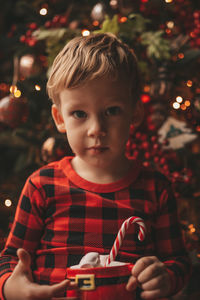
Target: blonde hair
pixel 91 57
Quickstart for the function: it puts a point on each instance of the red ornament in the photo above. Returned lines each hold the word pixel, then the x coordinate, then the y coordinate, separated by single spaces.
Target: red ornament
pixel 13 111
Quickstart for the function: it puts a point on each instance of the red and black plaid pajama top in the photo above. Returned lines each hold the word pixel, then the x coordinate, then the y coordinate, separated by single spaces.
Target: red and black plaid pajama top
pixel 60 217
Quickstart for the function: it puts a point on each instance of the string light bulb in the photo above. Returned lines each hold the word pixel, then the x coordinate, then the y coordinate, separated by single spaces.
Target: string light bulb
pixel 181 55
pixel 191 228
pixel 170 24
pixel 183 107
pixel 8 202
pixel 13 89
pixel 179 99
pixel 176 105
pixel 189 83
pixel 17 93
pixel 85 32
pixel 37 87
pixel 43 11
pixel 187 103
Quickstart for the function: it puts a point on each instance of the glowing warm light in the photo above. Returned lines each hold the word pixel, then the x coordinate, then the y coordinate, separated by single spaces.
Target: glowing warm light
pixel 37 87
pixel 27 61
pixel 183 107
pixel 168 31
pixel 168 1
pixel 123 19
pixel 191 228
pixel 3 86
pixel 95 23
pixel 176 105
pixel 8 202
pixel 192 34
pixel 145 98
pixel 189 83
pixel 17 93
pixel 85 32
pixel 13 89
pixel 146 88
pixel 43 11
pixel 187 103
pixel 179 99
pixel 181 55
pixel 113 2
pixel 198 128
pixel 98 8
pixel 170 24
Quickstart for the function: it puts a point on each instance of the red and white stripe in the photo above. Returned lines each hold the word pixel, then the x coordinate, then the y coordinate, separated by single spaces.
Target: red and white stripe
pixel 121 234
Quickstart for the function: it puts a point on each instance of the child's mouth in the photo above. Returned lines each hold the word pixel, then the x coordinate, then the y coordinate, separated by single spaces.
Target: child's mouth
pixel 97 149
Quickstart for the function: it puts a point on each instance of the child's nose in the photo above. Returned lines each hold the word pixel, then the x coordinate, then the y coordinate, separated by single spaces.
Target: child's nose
pixel 97 127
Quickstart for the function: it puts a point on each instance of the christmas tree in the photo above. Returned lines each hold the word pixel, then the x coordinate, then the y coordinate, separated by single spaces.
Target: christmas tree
pixel 164 34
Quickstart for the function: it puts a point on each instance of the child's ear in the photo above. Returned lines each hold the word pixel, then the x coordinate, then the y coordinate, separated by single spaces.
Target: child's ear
pixel 58 119
pixel 138 114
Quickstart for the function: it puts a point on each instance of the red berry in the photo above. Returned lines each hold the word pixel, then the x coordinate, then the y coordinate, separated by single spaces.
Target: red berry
pixel 22 38
pixel 47 24
pixel 145 145
pixel 135 153
pixel 186 179
pixel 29 33
pixel 156 159
pixel 146 164
pixel 162 160
pixel 147 155
pixel 56 19
pixel 154 138
pixel 156 146
pixel 32 42
pixel 138 135
pixel 133 146
pixel 196 14
pixel 143 137
pixel 165 167
pixel 63 20
pixel 33 26
pixel 175 175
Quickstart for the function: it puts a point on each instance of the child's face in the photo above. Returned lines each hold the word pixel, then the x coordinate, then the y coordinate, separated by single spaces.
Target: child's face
pixel 96 118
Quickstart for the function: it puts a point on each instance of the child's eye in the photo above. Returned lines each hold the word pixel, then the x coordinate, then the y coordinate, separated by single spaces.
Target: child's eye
pixel 113 111
pixel 79 114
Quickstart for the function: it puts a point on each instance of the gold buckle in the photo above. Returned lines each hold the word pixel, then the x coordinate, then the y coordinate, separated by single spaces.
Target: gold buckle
pixel 85 282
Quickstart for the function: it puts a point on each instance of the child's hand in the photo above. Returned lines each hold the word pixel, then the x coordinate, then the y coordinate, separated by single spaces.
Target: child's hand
pixel 151 276
pixel 20 284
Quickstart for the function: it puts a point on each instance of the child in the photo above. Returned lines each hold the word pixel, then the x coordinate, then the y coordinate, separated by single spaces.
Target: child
pixel 77 205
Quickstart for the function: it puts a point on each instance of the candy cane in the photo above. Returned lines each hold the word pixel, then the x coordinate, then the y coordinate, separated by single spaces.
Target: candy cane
pixel 121 234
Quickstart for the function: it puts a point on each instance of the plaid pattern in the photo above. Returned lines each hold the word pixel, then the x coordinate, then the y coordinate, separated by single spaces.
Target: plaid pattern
pixel 60 217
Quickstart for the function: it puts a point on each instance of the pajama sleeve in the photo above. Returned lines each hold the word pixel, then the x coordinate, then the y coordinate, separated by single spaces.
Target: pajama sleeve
pixel 25 232
pixel 168 235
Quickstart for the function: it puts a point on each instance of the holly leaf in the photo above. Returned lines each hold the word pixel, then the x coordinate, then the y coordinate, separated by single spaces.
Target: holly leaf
pixel 157 46
pixel 53 33
pixel 136 22
pixel 109 25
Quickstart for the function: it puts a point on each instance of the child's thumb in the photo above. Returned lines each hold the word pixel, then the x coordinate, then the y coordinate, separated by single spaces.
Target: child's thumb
pixel 24 261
